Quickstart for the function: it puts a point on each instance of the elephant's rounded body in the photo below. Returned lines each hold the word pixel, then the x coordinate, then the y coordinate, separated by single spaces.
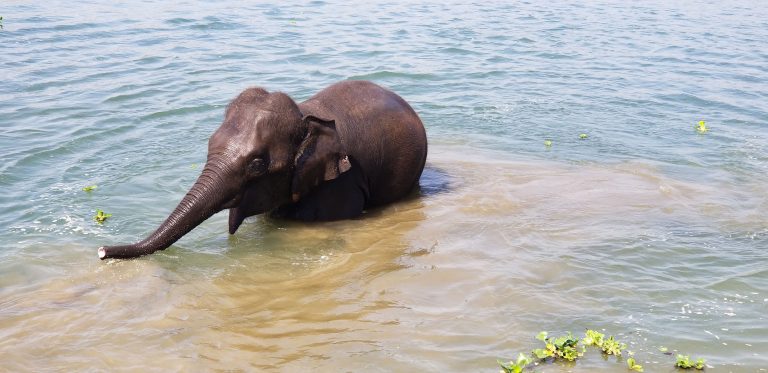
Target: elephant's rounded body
pixel 351 146
pixel 379 130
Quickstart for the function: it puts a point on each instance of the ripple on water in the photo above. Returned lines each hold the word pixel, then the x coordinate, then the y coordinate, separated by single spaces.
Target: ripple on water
pixel 647 229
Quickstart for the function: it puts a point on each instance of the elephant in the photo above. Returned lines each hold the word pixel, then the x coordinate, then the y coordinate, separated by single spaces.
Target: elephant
pixel 352 146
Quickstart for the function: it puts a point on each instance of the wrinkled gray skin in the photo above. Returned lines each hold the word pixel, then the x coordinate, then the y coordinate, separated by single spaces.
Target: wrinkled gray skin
pixel 352 146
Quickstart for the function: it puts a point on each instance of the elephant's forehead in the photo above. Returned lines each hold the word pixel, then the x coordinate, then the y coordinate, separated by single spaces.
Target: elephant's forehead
pixel 245 133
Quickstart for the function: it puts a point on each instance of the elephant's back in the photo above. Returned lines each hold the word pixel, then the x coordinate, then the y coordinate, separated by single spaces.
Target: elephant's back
pixel 380 130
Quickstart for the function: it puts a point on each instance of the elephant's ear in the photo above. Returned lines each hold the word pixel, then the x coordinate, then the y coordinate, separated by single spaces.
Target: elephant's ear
pixel 321 157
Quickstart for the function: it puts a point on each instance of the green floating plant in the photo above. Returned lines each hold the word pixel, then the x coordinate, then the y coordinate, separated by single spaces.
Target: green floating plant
pixel 609 346
pixel 516 366
pixel 89 188
pixel 1 22
pixel 564 347
pixel 685 362
pixel 100 216
pixel 702 127
pixel 633 365
pixel 567 348
pixel 548 143
pixel 612 347
pixel 593 338
pixel 583 136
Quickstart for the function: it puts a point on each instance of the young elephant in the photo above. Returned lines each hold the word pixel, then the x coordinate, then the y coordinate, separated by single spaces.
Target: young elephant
pixel 352 146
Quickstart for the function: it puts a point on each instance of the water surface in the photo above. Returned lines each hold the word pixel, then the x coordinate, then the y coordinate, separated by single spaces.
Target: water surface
pixel 646 229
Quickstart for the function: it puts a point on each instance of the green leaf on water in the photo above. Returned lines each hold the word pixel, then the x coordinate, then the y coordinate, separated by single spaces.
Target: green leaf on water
pixel 609 346
pixel 541 353
pixel 100 216
pixel 702 127
pixel 593 338
pixel 548 143
pixel 563 347
pixel 685 362
pixel 612 347
pixel 89 188
pixel 515 366
pixel 632 365
pixel 583 136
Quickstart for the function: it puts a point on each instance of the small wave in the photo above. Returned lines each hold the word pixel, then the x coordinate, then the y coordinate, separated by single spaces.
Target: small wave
pixel 60 28
pixel 179 21
pixel 384 75
pixel 554 56
pixel 458 51
pixel 132 96
pixel 178 112
pixel 215 23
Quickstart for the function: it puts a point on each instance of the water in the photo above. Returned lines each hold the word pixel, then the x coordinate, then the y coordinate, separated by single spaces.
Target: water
pixel 646 229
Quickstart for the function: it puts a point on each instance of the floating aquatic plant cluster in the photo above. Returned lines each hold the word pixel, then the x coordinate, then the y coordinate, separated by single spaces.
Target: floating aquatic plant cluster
pixel 100 216
pixel 559 348
pixel 685 362
pixel 567 348
pixel 701 128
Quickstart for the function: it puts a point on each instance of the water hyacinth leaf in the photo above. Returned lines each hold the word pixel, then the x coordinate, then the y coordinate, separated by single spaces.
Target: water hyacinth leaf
pixel 89 188
pixel 100 216
pixel 523 359
pixel 685 362
pixel 700 363
pixel 593 338
pixel 541 353
pixel 612 347
pixel 564 347
pixel 515 366
pixel 702 127
pixel 632 365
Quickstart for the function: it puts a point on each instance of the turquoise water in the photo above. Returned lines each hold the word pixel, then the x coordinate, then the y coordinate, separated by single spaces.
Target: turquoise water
pixel 647 228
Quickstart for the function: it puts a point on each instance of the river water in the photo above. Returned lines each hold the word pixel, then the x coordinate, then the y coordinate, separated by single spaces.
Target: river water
pixel 646 229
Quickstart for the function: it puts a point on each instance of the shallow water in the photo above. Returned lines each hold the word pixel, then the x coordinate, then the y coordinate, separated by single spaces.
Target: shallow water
pixel 646 229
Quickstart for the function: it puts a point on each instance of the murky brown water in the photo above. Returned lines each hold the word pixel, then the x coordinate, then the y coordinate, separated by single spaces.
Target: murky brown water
pixel 491 253
pixel 647 229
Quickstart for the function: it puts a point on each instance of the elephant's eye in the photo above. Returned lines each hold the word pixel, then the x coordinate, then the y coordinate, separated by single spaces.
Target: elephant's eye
pixel 257 167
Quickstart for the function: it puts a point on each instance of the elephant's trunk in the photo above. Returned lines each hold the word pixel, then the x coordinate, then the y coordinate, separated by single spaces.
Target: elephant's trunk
pixel 205 198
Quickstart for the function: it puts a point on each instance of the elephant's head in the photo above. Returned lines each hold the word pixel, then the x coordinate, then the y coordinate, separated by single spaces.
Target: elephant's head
pixel 266 153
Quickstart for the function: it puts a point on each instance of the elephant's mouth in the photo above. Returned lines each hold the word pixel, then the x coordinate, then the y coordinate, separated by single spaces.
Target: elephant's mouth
pixel 257 197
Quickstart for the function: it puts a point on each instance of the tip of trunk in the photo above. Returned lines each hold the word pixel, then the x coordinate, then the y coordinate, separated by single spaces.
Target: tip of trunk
pixel 124 251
